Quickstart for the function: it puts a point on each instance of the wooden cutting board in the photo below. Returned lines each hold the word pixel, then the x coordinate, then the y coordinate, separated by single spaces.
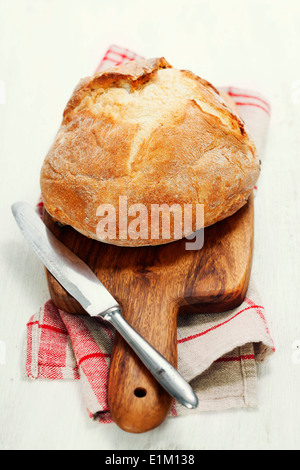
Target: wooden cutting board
pixel 153 285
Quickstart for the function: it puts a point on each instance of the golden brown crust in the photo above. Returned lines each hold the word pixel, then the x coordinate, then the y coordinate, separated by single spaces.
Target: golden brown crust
pixel 154 134
pixel 133 73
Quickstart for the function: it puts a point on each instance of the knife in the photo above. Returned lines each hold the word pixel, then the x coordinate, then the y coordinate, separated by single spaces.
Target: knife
pixel 80 281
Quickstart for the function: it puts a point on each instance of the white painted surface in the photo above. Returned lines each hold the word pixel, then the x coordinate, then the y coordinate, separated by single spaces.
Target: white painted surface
pixel 46 46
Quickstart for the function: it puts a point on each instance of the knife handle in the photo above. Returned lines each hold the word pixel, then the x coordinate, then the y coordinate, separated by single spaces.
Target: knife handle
pixel 140 397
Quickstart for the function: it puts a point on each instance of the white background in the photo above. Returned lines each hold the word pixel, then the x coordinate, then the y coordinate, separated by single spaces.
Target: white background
pixel 46 47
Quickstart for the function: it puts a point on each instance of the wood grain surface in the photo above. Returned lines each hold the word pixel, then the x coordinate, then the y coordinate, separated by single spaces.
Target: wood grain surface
pixel 153 285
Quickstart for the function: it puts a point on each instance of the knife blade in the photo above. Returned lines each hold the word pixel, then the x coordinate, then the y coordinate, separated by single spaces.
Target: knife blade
pixel 80 281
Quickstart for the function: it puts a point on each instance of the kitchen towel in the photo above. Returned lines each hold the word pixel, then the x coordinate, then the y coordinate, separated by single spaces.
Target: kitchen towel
pixel 217 353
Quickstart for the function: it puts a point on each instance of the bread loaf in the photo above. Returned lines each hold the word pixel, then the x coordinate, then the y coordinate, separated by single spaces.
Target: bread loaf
pixel 152 134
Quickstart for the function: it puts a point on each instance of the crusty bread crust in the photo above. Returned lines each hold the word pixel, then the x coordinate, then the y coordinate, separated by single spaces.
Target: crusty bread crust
pixel 154 134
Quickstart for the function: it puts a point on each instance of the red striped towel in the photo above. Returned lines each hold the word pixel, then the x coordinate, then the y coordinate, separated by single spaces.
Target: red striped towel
pixel 225 348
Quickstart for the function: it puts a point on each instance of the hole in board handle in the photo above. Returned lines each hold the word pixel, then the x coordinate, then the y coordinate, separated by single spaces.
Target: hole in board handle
pixel 140 392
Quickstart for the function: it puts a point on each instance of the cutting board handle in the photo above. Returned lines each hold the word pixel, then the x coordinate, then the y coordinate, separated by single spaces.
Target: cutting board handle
pixel 136 400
